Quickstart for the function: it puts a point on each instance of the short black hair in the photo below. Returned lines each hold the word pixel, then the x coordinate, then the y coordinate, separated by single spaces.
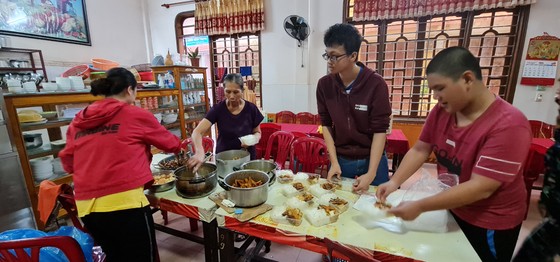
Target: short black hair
pixel 452 62
pixel 345 35
pixel 117 80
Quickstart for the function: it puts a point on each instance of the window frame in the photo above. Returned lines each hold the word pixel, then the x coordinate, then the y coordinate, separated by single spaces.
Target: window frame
pixel 519 21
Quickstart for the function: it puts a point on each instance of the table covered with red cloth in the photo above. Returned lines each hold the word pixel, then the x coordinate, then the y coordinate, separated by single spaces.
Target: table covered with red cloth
pixel 397 143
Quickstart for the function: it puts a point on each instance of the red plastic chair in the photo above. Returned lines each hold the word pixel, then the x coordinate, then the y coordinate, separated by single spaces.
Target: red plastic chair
pixel 317 119
pixel 266 130
pixel 285 117
pixel 207 144
pixel 299 134
pixel 346 253
pixel 282 141
pixel 541 129
pixel 305 118
pixel 66 244
pixel 66 199
pixel 308 154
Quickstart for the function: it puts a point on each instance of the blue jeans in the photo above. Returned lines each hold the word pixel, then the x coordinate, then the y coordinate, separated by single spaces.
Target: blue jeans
pixel 356 167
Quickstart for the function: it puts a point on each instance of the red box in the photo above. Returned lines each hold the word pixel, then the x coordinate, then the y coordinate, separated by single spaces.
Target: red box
pixel 146 76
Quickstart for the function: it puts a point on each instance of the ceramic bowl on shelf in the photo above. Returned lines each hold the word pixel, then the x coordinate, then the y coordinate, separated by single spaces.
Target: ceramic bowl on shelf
pixel 50 87
pixel 169 118
pixel 29 87
pixel 159 117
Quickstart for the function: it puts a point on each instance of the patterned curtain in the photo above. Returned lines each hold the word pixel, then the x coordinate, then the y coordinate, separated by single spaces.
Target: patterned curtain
pixel 227 17
pixel 369 10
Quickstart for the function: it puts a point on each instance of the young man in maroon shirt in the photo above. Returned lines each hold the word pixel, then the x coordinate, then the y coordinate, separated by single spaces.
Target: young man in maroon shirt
pixel 353 103
pixel 484 141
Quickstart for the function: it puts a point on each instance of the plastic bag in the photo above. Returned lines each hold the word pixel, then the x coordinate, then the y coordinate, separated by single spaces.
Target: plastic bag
pixel 53 254
pixel 432 221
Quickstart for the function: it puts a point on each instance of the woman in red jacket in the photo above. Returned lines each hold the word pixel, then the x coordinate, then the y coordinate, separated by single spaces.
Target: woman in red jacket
pixel 108 152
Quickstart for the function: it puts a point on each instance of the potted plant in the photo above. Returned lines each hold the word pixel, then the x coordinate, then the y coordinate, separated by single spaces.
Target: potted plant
pixel 193 56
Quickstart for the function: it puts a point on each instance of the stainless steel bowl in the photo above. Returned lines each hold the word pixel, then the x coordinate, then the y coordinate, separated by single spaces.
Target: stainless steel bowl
pixel 162 187
pixel 246 197
pixel 189 185
pixel 267 166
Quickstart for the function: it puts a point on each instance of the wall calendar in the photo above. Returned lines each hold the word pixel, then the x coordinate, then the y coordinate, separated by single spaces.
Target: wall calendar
pixel 541 62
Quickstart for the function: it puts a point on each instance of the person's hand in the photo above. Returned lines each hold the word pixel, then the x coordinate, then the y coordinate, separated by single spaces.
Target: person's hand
pixel 362 183
pixel 243 145
pixel 196 161
pixel 408 210
pixel 334 171
pixel 385 189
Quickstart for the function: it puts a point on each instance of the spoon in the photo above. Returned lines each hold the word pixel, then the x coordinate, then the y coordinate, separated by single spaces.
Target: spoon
pixel 196 175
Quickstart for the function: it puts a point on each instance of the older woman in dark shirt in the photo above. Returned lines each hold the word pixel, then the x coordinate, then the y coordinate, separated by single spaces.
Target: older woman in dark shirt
pixel 235 118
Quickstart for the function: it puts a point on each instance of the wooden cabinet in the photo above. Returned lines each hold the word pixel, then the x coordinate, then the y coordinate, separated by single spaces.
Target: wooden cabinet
pixel 53 129
pixel 191 83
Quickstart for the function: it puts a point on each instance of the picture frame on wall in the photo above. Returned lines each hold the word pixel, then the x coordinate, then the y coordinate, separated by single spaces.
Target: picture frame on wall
pixel 55 20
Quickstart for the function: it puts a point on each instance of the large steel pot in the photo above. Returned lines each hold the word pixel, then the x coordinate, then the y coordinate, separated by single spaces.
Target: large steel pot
pixel 227 160
pixel 189 185
pixel 246 197
pixel 267 166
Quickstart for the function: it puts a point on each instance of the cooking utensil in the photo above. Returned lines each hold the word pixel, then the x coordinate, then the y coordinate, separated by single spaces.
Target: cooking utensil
pixel 188 187
pixel 227 160
pixel 267 166
pixel 208 156
pixel 246 197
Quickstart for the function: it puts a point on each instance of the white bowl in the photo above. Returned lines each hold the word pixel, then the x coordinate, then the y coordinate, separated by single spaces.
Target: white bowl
pixel 64 87
pixel 50 87
pixel 13 83
pixel 159 117
pixel 29 87
pixel 15 89
pixel 169 118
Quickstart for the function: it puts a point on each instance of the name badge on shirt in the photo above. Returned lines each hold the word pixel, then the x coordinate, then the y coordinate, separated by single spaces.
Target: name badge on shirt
pixel 450 142
pixel 361 107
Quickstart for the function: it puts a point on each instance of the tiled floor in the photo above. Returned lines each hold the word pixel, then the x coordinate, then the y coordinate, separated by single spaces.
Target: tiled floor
pixel 176 249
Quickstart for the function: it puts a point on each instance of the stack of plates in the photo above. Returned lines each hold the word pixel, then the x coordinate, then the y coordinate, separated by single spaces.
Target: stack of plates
pixel 57 166
pixel 42 168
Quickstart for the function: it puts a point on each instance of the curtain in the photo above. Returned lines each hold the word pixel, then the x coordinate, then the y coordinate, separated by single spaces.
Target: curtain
pixel 227 17
pixel 369 10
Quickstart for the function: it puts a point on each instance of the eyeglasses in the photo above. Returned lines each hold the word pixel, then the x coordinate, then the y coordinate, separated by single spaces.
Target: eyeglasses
pixel 332 59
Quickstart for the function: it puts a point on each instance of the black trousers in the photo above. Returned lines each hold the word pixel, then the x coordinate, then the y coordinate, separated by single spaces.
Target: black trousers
pixel 490 245
pixel 124 235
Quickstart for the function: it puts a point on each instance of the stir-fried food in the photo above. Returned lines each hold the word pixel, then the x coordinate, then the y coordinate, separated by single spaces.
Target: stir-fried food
pixel 172 164
pixel 163 179
pixel 298 186
pixel 328 209
pixel 338 201
pixel 246 183
pixel 293 213
pixel 313 178
pixel 328 186
pixel 382 205
pixel 305 197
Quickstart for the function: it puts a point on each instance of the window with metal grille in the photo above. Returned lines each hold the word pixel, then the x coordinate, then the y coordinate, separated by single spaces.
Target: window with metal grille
pixel 237 54
pixel 184 28
pixel 400 50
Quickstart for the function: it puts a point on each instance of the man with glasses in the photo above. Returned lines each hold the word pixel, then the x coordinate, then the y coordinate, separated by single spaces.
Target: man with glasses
pixel 353 103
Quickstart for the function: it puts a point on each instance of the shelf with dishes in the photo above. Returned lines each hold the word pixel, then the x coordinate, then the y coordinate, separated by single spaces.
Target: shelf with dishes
pixel 44 150
pixel 45 124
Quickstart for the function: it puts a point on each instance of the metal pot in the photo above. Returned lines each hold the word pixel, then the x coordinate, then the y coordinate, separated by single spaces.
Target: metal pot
pixel 246 197
pixel 32 141
pixel 188 185
pixel 229 159
pixel 267 166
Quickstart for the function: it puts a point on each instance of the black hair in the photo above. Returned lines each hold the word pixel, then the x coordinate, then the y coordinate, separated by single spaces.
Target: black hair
pixel 345 35
pixel 117 80
pixel 452 62
pixel 234 78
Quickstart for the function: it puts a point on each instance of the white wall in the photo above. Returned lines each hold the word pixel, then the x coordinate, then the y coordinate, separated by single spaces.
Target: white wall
pixel 116 31
pixel 543 18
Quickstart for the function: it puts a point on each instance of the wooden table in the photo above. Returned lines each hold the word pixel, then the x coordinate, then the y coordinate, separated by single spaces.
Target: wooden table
pixel 397 143
pixel 202 209
pixel 449 246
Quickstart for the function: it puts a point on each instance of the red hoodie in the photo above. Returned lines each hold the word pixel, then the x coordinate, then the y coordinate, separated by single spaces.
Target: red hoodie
pixel 108 148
